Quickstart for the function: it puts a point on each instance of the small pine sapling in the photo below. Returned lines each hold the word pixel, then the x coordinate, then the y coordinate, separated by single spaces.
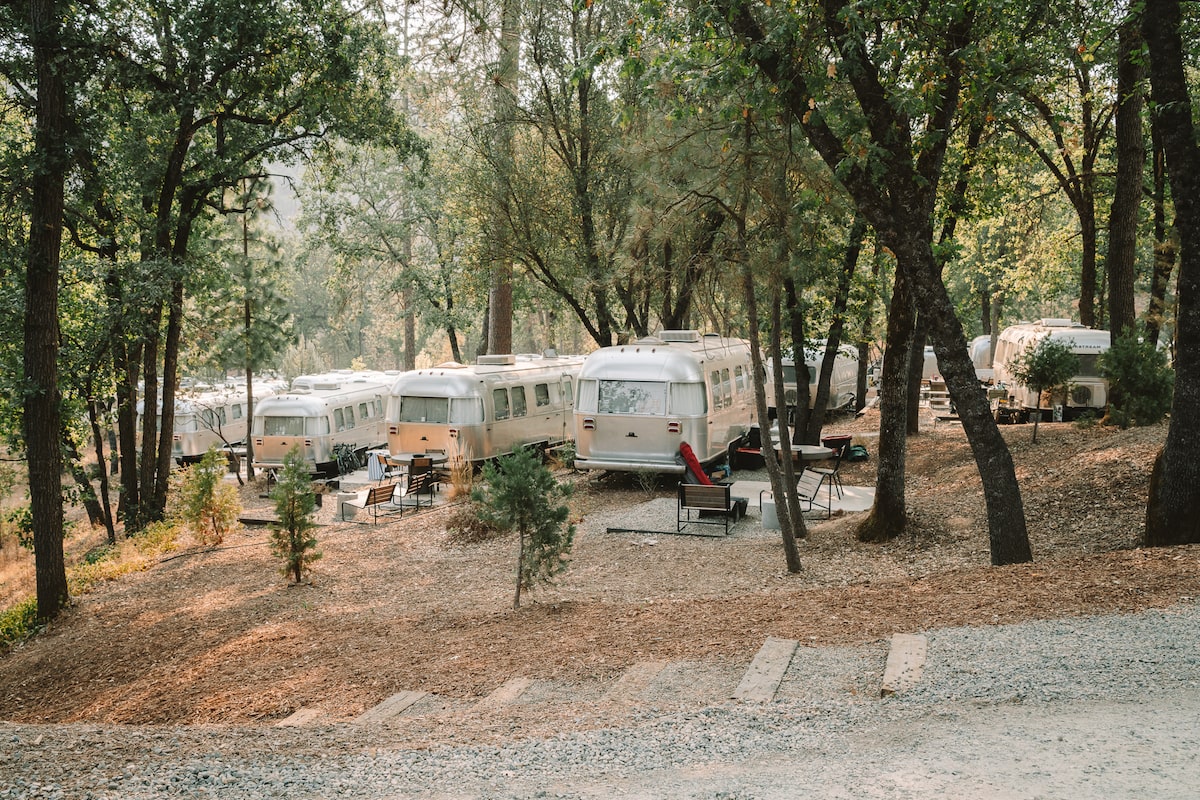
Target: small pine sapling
pixel 1141 383
pixel 1045 367
pixel 295 501
pixel 209 506
pixel 519 495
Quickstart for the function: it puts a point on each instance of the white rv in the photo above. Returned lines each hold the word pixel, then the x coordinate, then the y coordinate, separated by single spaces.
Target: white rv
pixel 843 382
pixel 981 356
pixel 207 415
pixel 1087 391
pixel 323 414
pixel 481 411
pixel 640 401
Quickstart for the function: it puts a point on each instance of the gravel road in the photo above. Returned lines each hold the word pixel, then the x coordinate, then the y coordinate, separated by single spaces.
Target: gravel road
pixel 1098 707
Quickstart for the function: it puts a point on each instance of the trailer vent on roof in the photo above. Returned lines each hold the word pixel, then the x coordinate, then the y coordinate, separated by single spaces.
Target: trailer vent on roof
pixel 326 386
pixel 1051 322
pixel 679 336
pixel 495 361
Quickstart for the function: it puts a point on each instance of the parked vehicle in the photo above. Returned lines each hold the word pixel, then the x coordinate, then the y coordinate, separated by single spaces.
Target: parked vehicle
pixel 207 415
pixel 981 356
pixel 476 412
pixel 332 414
pixel 1087 391
pixel 843 382
pixel 638 402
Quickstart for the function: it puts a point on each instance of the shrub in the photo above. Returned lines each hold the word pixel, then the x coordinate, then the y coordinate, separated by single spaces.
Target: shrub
pixel 18 623
pixel 1045 367
pixel 295 501
pixel 465 524
pixel 208 504
pixel 518 497
pixel 1140 381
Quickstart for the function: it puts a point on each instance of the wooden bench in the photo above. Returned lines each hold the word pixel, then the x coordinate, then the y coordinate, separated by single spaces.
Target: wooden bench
pixel 702 500
pixel 376 500
pixel 808 489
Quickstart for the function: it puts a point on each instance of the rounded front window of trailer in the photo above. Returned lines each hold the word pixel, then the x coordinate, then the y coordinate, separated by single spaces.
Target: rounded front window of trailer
pixel 424 409
pixel 466 410
pixel 1089 366
pixel 280 426
pixel 632 397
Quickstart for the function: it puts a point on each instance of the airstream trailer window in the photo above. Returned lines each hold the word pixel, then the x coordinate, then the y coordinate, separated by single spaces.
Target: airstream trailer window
pixel 339 419
pixel 466 410
pixel 349 416
pixel 518 401
pixel 1089 365
pixel 715 385
pixel 500 403
pixel 282 426
pixel 362 411
pixel 726 387
pixel 541 394
pixel 237 410
pixel 739 379
pixel 632 397
pixel 424 409
pixel 185 423
pixel 568 398
pixel 687 399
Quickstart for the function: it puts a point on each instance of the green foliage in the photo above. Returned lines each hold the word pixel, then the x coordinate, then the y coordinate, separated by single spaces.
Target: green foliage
pixel 208 504
pixel 295 501
pixel 18 623
pixel 1046 366
pixel 1140 381
pixel 519 496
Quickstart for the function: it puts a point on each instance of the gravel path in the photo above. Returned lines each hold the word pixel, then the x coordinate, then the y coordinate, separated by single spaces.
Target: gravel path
pixel 1100 707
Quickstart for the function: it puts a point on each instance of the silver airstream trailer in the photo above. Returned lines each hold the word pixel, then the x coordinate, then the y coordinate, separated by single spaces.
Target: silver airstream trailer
pixel 1087 391
pixel 638 402
pixel 207 416
pixel 323 414
pixel 843 382
pixel 475 412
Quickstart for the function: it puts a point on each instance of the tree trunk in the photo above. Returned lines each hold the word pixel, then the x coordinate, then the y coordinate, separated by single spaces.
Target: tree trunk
pixel 1164 242
pixel 889 513
pixel 505 99
pixel 1127 194
pixel 841 300
pixel 42 420
pixel 1173 511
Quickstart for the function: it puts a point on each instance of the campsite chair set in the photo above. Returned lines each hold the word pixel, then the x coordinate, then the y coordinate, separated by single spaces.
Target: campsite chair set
pixel 387 499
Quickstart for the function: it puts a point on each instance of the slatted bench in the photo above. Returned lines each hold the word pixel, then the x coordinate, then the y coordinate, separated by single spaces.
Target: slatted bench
pixel 714 501
pixel 376 500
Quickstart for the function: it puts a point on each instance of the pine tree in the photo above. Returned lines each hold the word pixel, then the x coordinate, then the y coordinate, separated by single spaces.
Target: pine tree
pixel 519 494
pixel 295 502
pixel 209 505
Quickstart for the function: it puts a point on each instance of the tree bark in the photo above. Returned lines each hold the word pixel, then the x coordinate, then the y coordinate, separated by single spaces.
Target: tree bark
pixel 1173 511
pixel 1127 194
pixel 43 400
pixel 889 514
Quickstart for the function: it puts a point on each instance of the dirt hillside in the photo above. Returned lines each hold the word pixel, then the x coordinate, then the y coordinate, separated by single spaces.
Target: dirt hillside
pixel 219 636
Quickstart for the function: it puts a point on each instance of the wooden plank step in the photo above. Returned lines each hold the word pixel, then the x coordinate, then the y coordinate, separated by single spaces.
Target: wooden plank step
pixel 635 680
pixel 766 671
pixel 299 717
pixel 905 663
pixel 390 708
pixel 505 694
